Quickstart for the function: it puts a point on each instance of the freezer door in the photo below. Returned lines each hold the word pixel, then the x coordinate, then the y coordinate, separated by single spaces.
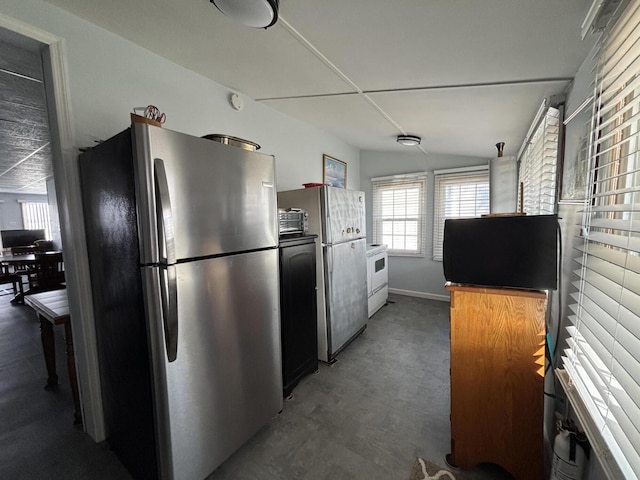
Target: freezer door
pixel 226 380
pixel 346 291
pixel 197 197
pixel 343 215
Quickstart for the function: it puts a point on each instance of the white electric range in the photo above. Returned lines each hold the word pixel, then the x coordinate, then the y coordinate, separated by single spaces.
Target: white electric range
pixel 377 277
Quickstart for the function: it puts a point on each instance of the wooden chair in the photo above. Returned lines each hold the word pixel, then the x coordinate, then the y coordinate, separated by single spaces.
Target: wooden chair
pixel 15 280
pixel 25 250
pixel 43 245
pixel 47 274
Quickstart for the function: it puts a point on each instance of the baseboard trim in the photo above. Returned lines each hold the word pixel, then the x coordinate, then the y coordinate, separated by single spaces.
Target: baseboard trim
pixel 411 293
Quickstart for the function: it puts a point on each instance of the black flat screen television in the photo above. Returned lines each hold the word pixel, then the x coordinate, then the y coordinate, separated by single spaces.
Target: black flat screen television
pixel 502 251
pixel 19 238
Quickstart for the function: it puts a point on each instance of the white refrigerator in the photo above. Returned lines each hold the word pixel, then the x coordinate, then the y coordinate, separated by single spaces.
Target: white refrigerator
pixel 337 216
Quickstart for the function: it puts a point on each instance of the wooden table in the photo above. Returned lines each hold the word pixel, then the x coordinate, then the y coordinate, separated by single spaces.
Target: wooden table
pixel 53 309
pixel 28 259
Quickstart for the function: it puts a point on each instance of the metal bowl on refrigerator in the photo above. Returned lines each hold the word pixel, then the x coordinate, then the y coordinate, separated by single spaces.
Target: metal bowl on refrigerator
pixel 234 141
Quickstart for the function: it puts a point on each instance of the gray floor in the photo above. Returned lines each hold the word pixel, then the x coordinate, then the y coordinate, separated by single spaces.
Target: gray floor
pixel 385 402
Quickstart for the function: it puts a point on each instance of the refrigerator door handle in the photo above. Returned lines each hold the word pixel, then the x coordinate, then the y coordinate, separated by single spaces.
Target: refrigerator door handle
pixel 163 210
pixel 169 298
pixel 328 278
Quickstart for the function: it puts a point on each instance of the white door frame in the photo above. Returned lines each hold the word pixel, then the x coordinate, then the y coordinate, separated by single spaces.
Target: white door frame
pixel 67 184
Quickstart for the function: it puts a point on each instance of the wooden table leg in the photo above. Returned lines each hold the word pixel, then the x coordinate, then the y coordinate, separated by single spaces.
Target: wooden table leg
pixel 49 350
pixel 73 379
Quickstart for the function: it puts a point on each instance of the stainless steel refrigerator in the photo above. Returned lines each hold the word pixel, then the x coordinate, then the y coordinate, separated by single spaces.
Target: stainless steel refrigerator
pixel 182 244
pixel 337 216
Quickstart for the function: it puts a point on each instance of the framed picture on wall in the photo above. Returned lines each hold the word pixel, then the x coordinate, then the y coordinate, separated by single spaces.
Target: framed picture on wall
pixel 334 172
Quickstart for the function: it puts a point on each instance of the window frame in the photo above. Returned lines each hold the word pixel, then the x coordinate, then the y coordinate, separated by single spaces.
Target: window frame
pixel 453 175
pixel 393 183
pixel 600 366
pixel 538 166
pixel 42 220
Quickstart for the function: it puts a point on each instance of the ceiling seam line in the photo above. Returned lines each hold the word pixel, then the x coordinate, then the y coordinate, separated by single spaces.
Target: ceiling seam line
pixel 23 160
pixel 15 74
pixel 382 112
pixel 35 182
pixel 312 95
pixel 298 36
pixel 473 85
pixel 422 89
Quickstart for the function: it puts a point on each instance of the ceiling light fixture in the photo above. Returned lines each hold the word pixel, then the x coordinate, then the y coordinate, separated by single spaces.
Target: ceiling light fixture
pixel 252 13
pixel 408 140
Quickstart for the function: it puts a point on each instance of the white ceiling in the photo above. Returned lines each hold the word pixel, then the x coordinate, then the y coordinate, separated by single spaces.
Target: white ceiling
pixel 462 74
pixel 25 152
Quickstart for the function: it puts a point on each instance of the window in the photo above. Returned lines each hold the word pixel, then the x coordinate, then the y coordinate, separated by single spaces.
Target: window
pixel 602 363
pixel 35 216
pixel 537 172
pixel 399 213
pixel 459 193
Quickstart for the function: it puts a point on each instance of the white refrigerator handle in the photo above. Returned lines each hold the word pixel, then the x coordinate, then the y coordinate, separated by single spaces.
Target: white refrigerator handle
pixel 329 274
pixel 328 252
pixel 166 232
pixel 169 299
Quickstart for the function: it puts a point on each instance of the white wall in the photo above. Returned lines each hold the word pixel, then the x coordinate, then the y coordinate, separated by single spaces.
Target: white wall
pixel 416 276
pixel 109 75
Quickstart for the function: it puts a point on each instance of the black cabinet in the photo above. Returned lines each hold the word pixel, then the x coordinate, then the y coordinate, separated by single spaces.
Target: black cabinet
pixel 298 309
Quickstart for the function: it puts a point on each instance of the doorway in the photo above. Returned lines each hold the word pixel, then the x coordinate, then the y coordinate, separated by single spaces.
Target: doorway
pixel 26 166
pixel 64 183
pixel 28 206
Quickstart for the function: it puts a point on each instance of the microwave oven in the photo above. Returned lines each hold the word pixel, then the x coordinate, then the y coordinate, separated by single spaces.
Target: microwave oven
pixel 292 221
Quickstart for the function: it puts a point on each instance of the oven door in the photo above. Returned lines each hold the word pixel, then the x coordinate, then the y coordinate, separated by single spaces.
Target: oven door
pixel 378 271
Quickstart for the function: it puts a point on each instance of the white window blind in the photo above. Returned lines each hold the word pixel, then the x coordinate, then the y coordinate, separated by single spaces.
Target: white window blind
pixel 603 357
pixel 459 193
pixel 537 172
pixel 35 216
pixel 399 211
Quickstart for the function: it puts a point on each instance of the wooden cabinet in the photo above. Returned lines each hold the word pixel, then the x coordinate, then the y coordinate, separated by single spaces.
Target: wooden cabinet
pixel 497 379
pixel 298 313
